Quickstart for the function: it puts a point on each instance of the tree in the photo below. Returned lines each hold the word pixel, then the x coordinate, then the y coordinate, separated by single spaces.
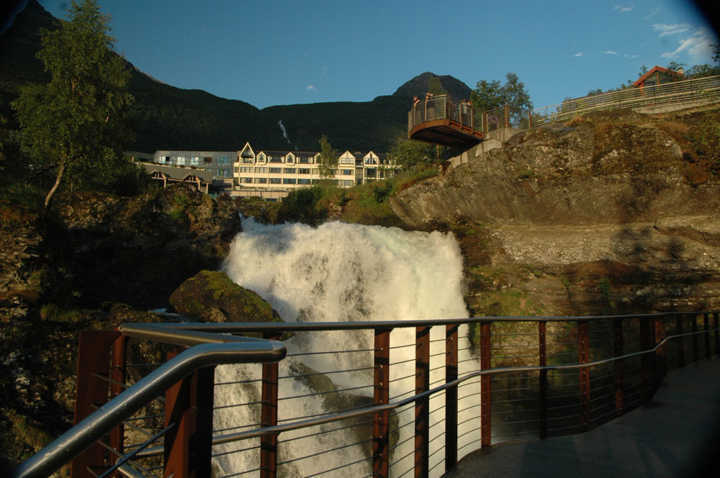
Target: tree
pixel 490 95
pixel 409 152
pixel 74 126
pixel 328 158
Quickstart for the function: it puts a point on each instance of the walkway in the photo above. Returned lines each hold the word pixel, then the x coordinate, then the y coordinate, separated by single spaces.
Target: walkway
pixel 676 435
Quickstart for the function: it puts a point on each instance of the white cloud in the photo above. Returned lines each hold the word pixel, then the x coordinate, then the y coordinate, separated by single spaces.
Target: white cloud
pixel 631 57
pixel 578 54
pixel 673 29
pixel 699 46
pixel 654 12
pixel 610 52
pixel 311 88
pixel 623 8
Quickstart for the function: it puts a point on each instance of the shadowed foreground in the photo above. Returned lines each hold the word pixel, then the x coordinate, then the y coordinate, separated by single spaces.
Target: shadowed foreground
pixel 675 435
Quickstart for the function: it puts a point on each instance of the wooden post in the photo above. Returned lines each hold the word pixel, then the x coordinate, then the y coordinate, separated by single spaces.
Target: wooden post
pixel 619 367
pixel 507 115
pixel 485 384
pixel 451 396
pixel 422 405
pixel 706 324
pixel 696 347
pixel 530 119
pixel 660 355
pixel 485 123
pixel 269 416
pixel 646 338
pixel 681 341
pixel 717 333
pixel 117 375
pixel 93 362
pixel 381 395
pixel 583 344
pixel 542 346
pixel 189 406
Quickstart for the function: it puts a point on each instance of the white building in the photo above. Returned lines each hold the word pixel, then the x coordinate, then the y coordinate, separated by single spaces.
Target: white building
pixel 273 174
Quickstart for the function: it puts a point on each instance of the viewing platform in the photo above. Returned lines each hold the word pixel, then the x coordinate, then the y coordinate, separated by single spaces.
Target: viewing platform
pixel 439 120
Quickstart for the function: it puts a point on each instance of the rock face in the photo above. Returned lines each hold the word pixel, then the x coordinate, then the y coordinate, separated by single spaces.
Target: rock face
pixel 211 296
pixel 138 250
pixel 610 212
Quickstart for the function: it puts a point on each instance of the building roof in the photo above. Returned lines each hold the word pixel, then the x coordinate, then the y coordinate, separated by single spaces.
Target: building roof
pixel 655 69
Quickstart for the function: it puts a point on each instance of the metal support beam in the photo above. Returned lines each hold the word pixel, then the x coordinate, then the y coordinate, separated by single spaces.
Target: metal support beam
pixel 422 405
pixel 543 385
pixel 93 362
pixel 619 345
pixel 681 341
pixel 189 405
pixel 451 396
pixel 269 416
pixel 381 395
pixel 117 375
pixel 583 344
pixel 485 386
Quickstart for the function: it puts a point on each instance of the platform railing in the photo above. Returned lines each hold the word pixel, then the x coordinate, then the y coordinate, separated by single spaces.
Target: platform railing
pixel 381 398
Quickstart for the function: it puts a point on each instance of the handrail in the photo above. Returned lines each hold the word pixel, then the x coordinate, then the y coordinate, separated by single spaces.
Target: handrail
pixel 212 350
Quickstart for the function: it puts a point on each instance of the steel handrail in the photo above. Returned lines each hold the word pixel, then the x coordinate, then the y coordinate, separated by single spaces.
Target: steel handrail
pixel 358 412
pixel 208 350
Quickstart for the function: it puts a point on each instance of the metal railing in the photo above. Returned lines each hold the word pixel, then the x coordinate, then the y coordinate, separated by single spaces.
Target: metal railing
pixel 698 90
pixel 442 107
pixel 407 396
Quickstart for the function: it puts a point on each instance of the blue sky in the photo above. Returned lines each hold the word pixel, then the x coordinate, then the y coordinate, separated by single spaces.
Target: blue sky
pixel 286 52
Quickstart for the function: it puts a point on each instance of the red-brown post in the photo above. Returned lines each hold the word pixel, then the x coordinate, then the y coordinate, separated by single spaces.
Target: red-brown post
pixel 189 406
pixel 485 123
pixel 706 324
pixel 269 416
pixel 381 395
pixel 93 362
pixel 485 384
pixel 530 119
pixel 422 405
pixel 696 347
pixel 583 342
pixel 542 346
pixel 117 375
pixel 717 333
pixel 660 355
pixel 681 341
pixel 619 367
pixel 451 396
pixel 506 111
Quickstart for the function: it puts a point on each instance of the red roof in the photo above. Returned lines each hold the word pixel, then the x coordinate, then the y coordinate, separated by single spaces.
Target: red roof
pixel 640 81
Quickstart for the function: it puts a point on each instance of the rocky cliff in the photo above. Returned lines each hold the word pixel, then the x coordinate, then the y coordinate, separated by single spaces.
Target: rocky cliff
pixel 610 212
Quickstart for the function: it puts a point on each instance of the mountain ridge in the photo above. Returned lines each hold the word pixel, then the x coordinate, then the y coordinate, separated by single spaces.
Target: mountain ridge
pixel 168 117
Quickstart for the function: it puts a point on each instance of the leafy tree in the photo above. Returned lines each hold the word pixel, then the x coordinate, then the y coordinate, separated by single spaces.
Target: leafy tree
pixel 490 95
pixel 74 125
pixel 328 158
pixel 409 152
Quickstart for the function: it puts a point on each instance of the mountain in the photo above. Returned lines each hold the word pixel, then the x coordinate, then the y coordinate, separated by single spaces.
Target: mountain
pixel 166 117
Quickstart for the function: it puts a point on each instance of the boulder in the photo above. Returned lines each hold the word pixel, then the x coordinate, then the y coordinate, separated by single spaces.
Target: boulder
pixel 213 297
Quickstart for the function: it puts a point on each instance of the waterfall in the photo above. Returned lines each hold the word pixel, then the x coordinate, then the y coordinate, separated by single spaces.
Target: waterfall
pixel 338 272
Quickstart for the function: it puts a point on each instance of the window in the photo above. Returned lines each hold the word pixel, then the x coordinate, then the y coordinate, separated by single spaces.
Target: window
pixel 246 169
pixel 261 180
pixel 246 180
pixel 223 160
pixel 163 159
pixel 289 158
pixel 370 172
pixel 236 169
pixel 303 181
pixel 303 160
pixel 347 160
pixel 275 180
pixel 289 170
pixel 194 160
pixel 207 159
pixel 346 172
pixel 275 170
pixel 180 160
pixel 275 159
pixel 261 170
pixel 289 181
pixel 303 171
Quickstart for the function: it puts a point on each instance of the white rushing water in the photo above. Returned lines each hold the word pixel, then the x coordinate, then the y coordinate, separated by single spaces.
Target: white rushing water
pixel 341 272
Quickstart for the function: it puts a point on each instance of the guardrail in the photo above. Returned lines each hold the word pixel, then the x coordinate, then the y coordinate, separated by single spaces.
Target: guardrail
pixel 463 383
